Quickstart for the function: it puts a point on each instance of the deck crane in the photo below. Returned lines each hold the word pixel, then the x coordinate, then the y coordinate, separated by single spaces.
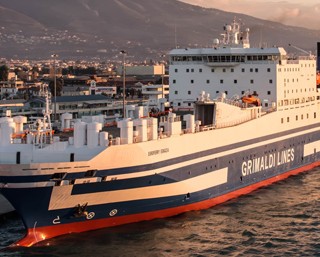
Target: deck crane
pixel 302 50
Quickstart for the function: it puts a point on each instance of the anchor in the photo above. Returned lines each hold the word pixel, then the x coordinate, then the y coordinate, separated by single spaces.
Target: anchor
pixel 81 210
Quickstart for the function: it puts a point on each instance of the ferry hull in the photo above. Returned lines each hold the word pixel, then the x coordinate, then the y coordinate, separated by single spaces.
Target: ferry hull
pixel 38 234
pixel 5 206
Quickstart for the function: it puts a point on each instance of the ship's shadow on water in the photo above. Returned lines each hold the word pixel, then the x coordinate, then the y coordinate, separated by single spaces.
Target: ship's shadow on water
pixel 280 220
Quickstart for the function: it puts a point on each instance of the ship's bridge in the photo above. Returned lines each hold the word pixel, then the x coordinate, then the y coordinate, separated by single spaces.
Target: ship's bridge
pixel 226 56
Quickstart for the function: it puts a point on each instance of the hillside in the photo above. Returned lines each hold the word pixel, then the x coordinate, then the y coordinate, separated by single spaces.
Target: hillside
pixel 98 28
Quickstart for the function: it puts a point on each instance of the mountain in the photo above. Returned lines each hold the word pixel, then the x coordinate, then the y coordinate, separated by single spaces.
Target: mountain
pixel 145 29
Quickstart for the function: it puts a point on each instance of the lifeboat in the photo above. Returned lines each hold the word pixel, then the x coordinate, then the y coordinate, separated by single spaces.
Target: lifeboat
pixel 251 99
pixel 19 135
pixel 66 130
pixel 318 79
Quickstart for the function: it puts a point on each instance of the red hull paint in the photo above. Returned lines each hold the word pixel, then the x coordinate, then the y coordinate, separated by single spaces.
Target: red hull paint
pixel 36 235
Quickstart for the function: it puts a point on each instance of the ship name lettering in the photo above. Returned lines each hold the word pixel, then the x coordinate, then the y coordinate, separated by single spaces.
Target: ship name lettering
pixel 155 152
pixel 268 161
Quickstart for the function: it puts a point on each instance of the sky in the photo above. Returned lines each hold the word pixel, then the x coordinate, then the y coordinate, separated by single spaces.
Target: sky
pixel 302 13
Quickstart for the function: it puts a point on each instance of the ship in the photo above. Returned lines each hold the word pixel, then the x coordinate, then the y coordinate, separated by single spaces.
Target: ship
pixel 5 206
pixel 222 147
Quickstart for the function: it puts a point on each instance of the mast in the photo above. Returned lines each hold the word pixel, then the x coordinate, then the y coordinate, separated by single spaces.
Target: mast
pixel 43 125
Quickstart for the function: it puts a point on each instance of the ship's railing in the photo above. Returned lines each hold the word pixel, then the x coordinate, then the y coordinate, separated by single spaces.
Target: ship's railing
pixel 305 58
pixel 292 61
pixel 268 110
pixel 246 112
pixel 167 118
pixel 236 103
pixel 207 127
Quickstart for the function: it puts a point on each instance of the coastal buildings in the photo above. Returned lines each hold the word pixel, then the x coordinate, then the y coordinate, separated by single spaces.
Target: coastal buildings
pixel 75 93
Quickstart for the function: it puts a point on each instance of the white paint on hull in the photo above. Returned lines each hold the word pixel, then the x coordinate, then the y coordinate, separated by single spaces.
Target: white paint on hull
pixel 62 198
pixel 311 148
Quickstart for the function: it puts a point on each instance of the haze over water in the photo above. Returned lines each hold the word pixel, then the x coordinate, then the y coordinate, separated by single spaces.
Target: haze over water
pixel 280 220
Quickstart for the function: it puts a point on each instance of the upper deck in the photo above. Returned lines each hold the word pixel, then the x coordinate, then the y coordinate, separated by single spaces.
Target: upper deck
pixel 232 67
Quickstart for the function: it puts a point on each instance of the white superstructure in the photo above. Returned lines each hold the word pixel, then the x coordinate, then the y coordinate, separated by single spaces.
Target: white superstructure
pixel 233 68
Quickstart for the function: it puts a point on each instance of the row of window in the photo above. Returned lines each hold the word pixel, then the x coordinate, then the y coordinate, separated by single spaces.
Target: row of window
pixel 289 69
pixel 224 58
pixel 296 101
pixel 251 69
pixel 301 90
pixel 296 69
pixel 293 80
pixel 223 70
pixel 301 117
pixel 217 92
pixel 235 81
pixel 174 81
